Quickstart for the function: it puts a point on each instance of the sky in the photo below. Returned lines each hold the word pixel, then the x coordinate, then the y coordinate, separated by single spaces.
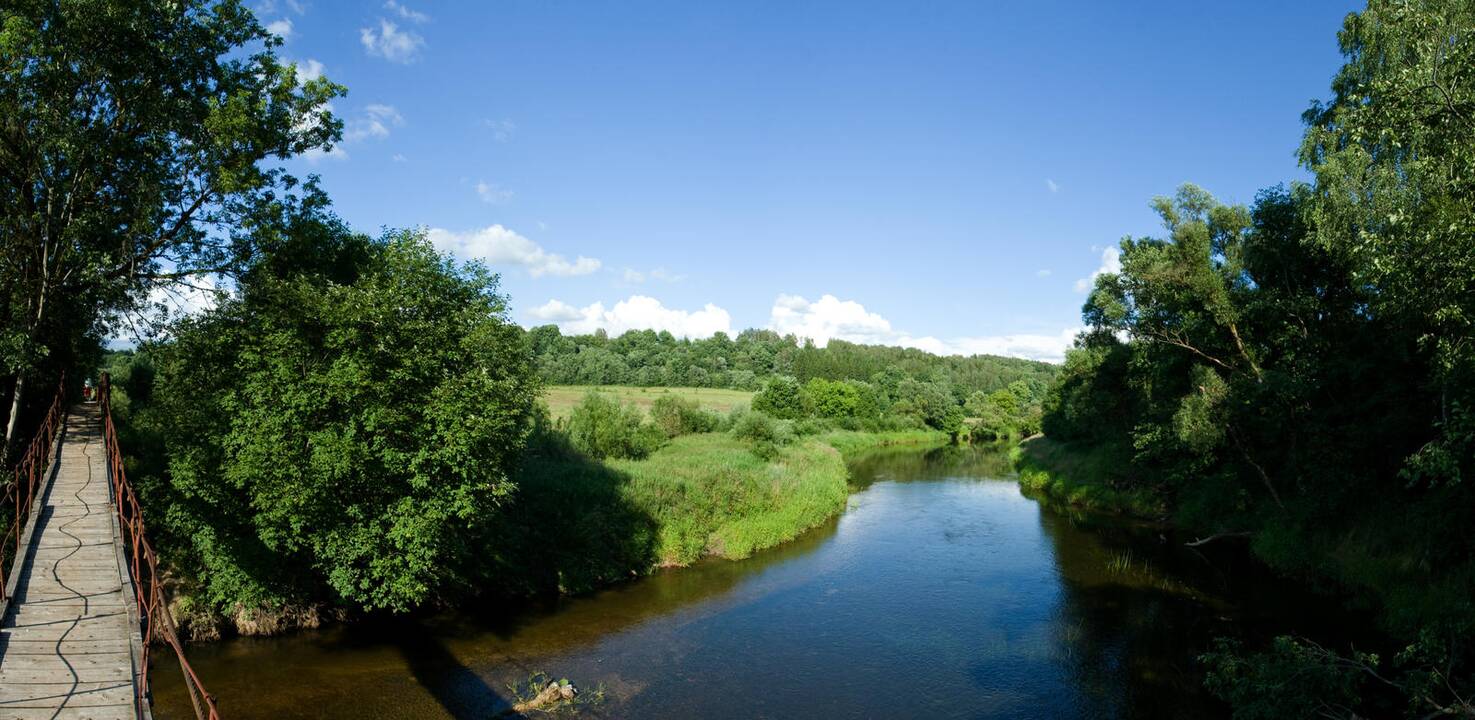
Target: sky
pixel 944 175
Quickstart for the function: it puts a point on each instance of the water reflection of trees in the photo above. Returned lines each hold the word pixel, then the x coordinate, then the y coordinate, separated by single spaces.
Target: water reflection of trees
pixel 906 464
pixel 1126 638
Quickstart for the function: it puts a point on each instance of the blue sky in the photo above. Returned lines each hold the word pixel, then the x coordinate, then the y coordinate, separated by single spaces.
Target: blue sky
pixel 940 174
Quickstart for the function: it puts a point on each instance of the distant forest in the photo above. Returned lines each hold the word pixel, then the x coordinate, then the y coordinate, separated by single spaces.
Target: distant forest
pixel 650 358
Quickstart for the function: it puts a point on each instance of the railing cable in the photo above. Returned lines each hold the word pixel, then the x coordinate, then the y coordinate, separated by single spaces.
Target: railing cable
pixel 20 493
pixel 155 620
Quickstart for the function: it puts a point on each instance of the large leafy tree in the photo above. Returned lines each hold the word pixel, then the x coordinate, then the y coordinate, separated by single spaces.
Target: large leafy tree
pixel 1303 371
pixel 134 136
pixel 1394 157
pixel 345 425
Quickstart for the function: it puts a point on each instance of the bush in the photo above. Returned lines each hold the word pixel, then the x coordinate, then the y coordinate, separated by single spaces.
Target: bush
pixel 781 397
pixel 601 427
pixel 376 398
pixel 763 433
pixel 813 426
pixel 676 415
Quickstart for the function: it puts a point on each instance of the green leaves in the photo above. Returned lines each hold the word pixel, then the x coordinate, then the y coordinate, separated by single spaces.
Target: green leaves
pixel 360 420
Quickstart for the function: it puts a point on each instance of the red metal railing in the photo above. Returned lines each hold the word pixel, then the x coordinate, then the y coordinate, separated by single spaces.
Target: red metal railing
pixel 20 493
pixel 155 621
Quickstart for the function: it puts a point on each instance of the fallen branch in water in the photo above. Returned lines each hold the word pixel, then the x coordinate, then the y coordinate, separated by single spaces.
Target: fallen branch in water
pixel 1217 536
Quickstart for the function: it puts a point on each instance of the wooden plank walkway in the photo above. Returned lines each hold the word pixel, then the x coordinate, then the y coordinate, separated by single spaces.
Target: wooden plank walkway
pixel 68 641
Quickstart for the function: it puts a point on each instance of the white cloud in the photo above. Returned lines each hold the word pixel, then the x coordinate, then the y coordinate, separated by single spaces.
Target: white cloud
pixel 164 304
pixel 1051 184
pixel 493 194
pixel 373 122
pixel 390 42
pixel 1042 273
pixel 309 69
pixel 831 318
pixel 501 129
pixel 497 245
pixel 398 158
pixel 281 28
pixel 637 312
pixel 406 13
pixel 1111 262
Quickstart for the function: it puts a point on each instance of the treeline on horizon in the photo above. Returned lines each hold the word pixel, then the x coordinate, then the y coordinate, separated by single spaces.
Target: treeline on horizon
pixel 658 358
pixel 1301 372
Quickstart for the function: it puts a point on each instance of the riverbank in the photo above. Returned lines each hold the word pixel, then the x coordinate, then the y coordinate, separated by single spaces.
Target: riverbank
pixel 1082 477
pixel 576 525
pixel 700 495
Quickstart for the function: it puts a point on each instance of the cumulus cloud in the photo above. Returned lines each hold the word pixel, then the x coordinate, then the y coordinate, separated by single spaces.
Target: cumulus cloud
pixel 281 28
pixel 497 246
pixel 492 194
pixel 831 318
pixel 406 13
pixel 391 43
pixel 309 69
pixel 371 123
pixel 828 318
pixel 637 312
pixel 1111 262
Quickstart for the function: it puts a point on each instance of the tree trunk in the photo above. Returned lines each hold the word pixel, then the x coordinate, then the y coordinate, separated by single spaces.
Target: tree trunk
pixel 10 425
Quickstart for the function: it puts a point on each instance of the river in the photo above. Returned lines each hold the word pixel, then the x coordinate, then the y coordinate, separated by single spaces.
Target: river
pixel 940 592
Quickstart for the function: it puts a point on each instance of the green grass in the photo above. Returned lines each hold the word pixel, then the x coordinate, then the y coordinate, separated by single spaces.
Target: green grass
pixel 710 495
pixel 1081 477
pixel 562 398
pixel 851 442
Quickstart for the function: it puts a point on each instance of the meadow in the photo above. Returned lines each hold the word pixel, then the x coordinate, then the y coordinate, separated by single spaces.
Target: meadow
pixel 561 399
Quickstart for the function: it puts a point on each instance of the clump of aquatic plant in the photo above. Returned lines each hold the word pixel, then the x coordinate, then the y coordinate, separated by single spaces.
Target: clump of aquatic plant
pixel 1120 563
pixel 540 693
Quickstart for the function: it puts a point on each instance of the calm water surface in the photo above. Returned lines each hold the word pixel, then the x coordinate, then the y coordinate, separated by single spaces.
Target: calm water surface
pixel 941 592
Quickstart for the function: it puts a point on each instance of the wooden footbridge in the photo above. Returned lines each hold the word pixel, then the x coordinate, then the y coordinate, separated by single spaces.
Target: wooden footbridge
pixel 81 601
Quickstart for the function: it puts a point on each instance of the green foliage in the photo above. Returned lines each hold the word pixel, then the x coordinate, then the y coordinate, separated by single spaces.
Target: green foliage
pixel 676 415
pixel 345 425
pixel 928 402
pixel 602 427
pixel 1301 369
pixel 710 495
pixel 765 435
pixel 142 137
pixel 746 362
pixel 830 399
pixel 1292 679
pixel 781 397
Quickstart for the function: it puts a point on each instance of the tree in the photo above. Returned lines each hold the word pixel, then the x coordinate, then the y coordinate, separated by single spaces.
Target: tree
pixel 346 425
pixel 132 142
pixel 781 397
pixel 1395 183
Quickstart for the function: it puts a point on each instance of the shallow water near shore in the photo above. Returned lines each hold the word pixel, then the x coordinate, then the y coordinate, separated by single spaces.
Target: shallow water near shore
pixel 940 592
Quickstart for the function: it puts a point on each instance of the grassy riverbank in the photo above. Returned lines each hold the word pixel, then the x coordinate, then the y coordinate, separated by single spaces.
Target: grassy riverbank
pixel 1080 476
pixel 579 524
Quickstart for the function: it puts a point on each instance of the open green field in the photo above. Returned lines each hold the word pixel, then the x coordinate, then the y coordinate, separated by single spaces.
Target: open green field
pixel 562 398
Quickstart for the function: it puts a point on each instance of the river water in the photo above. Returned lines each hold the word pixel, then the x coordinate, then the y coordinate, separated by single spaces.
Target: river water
pixel 940 592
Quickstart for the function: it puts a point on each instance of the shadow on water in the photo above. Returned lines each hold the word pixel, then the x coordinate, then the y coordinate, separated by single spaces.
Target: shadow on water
pixel 461 692
pixel 940 592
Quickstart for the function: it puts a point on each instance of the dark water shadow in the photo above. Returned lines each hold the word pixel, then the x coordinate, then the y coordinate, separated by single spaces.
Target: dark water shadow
pixel 461 692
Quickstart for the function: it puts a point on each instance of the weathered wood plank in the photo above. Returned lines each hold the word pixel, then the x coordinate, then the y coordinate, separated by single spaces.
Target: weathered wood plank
pixel 65 649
